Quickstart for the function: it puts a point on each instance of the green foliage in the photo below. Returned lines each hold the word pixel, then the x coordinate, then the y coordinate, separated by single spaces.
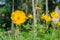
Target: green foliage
pixel 54 35
pixel 3 10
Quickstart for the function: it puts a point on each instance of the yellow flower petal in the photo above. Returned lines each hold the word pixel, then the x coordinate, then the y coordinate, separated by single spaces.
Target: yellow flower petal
pixel 54 15
pixel 18 17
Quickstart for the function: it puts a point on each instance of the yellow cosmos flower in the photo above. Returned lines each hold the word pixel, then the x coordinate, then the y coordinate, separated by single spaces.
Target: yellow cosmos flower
pixel 38 8
pixel 18 17
pixel 30 16
pixel 46 17
pixel 43 15
pixel 54 15
pixel 58 23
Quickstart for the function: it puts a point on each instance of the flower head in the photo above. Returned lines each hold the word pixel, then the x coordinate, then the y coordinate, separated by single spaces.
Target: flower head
pixel 58 23
pixel 46 17
pixel 18 17
pixel 38 8
pixel 43 15
pixel 30 16
pixel 54 15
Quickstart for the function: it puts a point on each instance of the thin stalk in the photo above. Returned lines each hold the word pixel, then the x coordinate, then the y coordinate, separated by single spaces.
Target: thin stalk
pixel 12 25
pixel 21 4
pixel 37 12
pixel 36 2
pixel 46 11
pixel 34 12
pixel 47 7
pixel 38 17
pixel 35 22
pixel 26 7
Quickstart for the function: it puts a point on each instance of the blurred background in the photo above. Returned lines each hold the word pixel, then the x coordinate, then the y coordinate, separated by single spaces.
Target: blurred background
pixel 25 5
